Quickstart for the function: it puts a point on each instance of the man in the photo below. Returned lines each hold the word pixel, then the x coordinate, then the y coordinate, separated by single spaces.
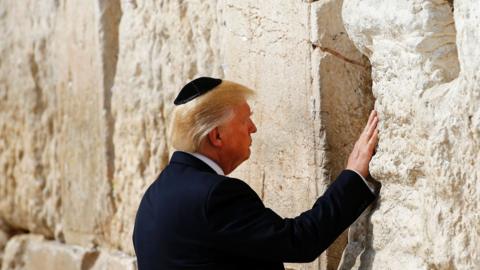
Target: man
pixel 195 217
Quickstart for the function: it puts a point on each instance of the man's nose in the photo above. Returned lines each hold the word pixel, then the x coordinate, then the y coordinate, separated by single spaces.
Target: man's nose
pixel 253 128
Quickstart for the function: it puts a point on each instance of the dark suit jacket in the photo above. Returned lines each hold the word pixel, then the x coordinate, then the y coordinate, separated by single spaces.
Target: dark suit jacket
pixel 193 218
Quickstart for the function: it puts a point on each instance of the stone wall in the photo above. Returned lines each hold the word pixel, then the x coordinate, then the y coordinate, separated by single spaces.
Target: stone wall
pixel 425 79
pixel 86 90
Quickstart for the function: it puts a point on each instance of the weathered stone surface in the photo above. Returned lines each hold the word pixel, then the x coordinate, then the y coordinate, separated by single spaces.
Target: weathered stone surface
pixel 86 90
pixel 31 252
pixel 427 157
pixel 163 44
pixel 344 85
pixel 266 47
pixel 312 99
pixel 109 143
pixel 257 38
pixel 54 129
pixel 84 107
pixel 113 261
pixel 5 234
pixel 29 164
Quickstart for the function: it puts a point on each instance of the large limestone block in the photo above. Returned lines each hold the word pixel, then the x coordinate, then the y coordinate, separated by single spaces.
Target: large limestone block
pixel 34 252
pixel 114 260
pixel 55 145
pixel 312 99
pixel 341 75
pixel 86 58
pixel 163 44
pixel 29 164
pixel 427 159
pixel 266 47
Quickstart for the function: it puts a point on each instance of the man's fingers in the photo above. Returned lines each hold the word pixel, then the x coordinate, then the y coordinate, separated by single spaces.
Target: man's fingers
pixel 372 142
pixel 372 127
pixel 373 113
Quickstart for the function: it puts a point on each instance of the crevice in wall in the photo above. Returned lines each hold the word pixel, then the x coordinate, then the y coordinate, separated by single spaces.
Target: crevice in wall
pixel 360 238
pixel 7 232
pixel 89 259
pixel 109 14
pixel 450 2
pixel 40 106
pixel 339 55
pixel 345 109
pixel 345 97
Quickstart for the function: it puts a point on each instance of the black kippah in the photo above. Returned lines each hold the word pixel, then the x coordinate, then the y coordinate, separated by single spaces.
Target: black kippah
pixel 196 88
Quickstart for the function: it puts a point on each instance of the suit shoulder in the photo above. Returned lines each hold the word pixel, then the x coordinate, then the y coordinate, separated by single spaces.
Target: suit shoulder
pixel 232 196
pixel 232 188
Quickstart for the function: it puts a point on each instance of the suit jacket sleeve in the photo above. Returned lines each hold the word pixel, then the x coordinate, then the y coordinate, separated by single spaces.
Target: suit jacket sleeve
pixel 239 224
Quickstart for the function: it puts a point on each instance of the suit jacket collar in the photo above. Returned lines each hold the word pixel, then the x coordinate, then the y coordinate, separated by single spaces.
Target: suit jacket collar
pixel 212 164
pixel 189 160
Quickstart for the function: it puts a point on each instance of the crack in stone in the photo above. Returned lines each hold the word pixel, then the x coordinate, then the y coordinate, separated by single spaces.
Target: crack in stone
pixel 339 55
pixel 109 19
pixel 89 259
pixel 450 2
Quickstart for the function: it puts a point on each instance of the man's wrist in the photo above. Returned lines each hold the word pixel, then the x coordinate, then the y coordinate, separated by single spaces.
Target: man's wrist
pixel 369 185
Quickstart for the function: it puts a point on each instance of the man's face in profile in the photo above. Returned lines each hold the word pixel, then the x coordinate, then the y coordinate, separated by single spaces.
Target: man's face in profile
pixel 236 134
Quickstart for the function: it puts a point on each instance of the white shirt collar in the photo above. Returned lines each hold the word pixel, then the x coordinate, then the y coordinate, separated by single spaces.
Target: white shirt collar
pixel 212 164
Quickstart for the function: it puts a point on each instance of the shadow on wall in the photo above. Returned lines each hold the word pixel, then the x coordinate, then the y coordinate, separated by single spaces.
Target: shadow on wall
pixel 346 97
pixel 360 237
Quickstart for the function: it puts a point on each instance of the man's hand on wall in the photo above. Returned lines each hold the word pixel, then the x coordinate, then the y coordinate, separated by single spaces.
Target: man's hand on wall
pixel 364 148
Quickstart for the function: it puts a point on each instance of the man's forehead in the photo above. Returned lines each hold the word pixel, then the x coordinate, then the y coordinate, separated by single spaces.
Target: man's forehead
pixel 244 106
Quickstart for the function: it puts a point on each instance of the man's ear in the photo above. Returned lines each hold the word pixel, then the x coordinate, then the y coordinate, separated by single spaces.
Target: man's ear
pixel 214 138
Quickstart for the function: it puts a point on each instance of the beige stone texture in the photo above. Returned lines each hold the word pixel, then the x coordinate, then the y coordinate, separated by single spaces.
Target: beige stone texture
pixel 428 102
pixel 105 77
pixel 32 252
pixel 312 99
pixel 84 107
pixel 5 234
pixel 29 165
pixel 157 55
pixel 54 128
pixel 343 76
pixel 86 90
pixel 266 47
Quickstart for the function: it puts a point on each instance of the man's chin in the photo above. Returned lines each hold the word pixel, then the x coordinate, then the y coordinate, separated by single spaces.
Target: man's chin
pixel 247 156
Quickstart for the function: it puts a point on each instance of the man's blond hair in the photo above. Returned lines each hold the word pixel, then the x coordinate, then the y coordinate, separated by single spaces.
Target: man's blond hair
pixel 192 121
